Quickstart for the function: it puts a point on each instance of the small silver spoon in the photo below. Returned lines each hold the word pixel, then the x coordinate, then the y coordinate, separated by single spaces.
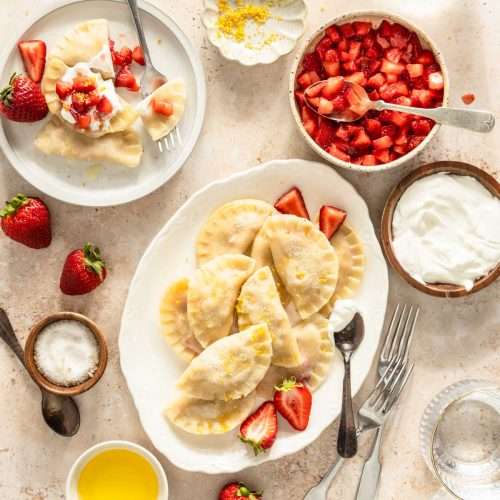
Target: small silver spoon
pixel 347 341
pixel 479 121
pixel 59 412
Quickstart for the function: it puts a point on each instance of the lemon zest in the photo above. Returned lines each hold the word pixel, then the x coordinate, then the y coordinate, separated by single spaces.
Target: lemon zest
pixel 232 20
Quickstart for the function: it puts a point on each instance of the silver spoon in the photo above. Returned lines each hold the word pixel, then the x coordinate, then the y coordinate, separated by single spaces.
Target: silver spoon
pixel 347 341
pixel 59 412
pixel 479 121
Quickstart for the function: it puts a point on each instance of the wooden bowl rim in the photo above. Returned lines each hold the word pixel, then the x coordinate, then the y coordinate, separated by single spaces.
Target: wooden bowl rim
pixel 453 167
pixel 37 375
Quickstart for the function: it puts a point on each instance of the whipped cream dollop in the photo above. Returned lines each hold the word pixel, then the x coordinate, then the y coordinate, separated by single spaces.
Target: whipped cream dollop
pixel 341 315
pixel 103 88
pixel 446 229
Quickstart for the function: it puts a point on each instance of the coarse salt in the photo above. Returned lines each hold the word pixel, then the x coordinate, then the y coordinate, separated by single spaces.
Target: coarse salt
pixel 66 352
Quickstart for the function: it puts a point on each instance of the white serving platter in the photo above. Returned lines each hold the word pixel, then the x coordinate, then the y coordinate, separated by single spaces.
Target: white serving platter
pixel 82 183
pixel 151 368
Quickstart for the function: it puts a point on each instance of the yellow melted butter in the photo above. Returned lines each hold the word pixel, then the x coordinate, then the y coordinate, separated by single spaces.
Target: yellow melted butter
pixel 118 475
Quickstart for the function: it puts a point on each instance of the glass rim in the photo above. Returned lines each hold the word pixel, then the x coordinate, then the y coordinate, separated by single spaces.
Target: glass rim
pixel 435 467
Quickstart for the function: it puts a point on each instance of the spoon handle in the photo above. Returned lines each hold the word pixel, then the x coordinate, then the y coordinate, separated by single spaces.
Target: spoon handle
pixel 8 335
pixel 347 442
pixel 471 119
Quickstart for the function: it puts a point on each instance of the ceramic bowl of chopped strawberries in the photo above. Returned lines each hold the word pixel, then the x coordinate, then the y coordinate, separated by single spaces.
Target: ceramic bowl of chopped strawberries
pixel 394 61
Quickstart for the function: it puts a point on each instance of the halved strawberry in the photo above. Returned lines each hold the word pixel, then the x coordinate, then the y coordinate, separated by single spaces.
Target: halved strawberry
pixel 125 78
pixel 138 56
pixel 330 219
pixel 84 84
pixel 292 202
pixel 162 106
pixel 33 53
pixel 293 400
pixel 104 106
pixel 238 491
pixel 63 89
pixel 260 428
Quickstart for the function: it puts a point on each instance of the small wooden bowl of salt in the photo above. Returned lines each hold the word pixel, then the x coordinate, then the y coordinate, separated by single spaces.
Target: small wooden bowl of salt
pixel 66 353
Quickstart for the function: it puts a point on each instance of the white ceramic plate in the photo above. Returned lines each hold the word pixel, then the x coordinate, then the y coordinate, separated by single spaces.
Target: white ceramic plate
pixel 264 43
pixel 79 182
pixel 151 368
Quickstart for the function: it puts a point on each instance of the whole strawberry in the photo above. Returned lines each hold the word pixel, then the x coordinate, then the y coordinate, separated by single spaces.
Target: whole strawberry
pixel 27 221
pixel 83 271
pixel 238 491
pixel 22 100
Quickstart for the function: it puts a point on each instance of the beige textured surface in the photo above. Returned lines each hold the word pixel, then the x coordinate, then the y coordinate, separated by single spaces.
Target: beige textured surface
pixel 456 339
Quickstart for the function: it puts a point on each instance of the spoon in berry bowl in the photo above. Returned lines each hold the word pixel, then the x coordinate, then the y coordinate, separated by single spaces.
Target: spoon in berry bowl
pixel 343 101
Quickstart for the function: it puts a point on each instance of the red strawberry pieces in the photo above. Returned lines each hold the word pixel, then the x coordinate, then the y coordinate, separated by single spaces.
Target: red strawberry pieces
pixel 238 491
pixel 292 202
pixel 330 219
pixel 125 78
pixel 22 100
pixel 293 400
pixel 138 56
pixel 390 63
pixel 27 221
pixel 33 53
pixel 83 271
pixel 162 106
pixel 260 428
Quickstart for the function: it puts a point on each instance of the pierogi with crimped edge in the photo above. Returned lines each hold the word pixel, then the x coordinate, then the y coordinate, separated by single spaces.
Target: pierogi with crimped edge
pixel 212 295
pixel 231 228
pixel 231 367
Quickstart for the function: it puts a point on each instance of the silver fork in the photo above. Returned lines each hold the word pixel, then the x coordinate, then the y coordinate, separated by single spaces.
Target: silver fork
pixel 396 347
pixel 393 382
pixel 151 78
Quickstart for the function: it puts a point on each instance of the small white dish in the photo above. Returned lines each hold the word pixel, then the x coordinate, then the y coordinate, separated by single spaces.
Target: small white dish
pixel 76 468
pixel 150 366
pixel 98 184
pixel 264 43
pixel 376 17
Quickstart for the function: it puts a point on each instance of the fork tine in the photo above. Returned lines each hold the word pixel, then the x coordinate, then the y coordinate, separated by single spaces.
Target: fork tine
pixel 386 349
pixel 409 333
pixel 391 379
pixel 395 396
pixel 389 373
pixel 178 135
pixel 400 328
pixel 160 147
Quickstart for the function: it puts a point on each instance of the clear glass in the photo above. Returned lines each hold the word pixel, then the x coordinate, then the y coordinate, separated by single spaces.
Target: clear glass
pixel 460 439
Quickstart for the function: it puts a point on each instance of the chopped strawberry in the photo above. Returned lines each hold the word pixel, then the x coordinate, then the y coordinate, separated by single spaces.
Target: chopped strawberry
pixel 322 46
pixel 93 99
pixel 333 86
pixel 125 78
pixel 368 160
pixel 259 429
pixel 382 155
pixel 393 55
pixel 293 399
pixel 389 67
pixel 399 36
pixel 84 121
pixel 162 106
pixel 436 80
pixel 308 78
pixel 311 62
pixel 373 128
pixel 315 90
pixel 63 89
pixel 402 137
pixel 350 67
pixel 390 130
pixel 415 141
pixel 335 151
pixel 104 106
pixel 415 70
pixel 138 56
pixel 358 78
pixel 392 78
pixel 362 141
pixel 80 102
pixel 33 53
pixel 122 57
pixel 299 97
pixel 422 126
pixel 311 127
pixel 84 84
pixel 354 49
pixel 468 98
pixel 362 28
pixel 333 33
pixel 400 149
pixel 400 119
pixel 376 80
pixel 292 202
pixel 331 68
pixel 421 98
pixel 426 57
pixel 383 142
pixel 385 29
pixel 347 30
pixel 403 100
pixel 325 106
pixel 382 41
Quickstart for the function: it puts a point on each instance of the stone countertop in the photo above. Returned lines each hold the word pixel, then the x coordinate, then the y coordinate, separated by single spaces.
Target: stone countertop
pixel 34 462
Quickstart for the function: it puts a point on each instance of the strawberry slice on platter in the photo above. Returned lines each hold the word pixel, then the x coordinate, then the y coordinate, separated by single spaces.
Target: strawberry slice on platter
pixel 292 202
pixel 260 428
pixel 330 219
pixel 238 491
pixel 33 53
pixel 293 400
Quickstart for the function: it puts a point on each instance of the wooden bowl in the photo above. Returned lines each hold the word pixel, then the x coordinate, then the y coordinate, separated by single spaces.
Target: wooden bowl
pixel 453 167
pixel 37 375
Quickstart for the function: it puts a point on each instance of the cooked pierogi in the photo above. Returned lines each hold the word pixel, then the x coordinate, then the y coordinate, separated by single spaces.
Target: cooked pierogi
pixel 174 321
pixel 259 302
pixel 158 125
pixel 199 416
pixel 231 228
pixel 231 367
pixel 123 148
pixel 305 261
pixel 212 295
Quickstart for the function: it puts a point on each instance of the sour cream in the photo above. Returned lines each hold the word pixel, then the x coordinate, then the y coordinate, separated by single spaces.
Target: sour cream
pixel 446 229
pixel 341 315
